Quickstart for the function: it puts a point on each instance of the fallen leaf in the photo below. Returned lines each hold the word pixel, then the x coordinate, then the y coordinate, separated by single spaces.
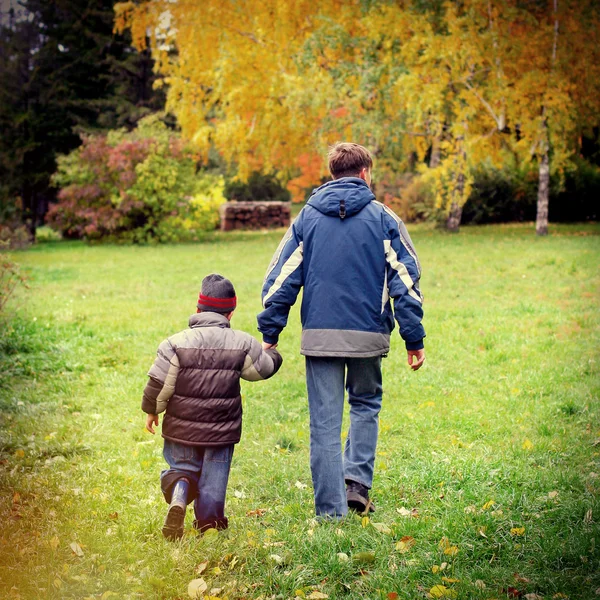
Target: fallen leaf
pixel 365 521
pixel 435 569
pixel 559 596
pixel 470 509
pixel 114 515
pixel 257 512
pixel 488 504
pixel 239 494
pixel 450 580
pixel 552 495
pixel 533 597
pixel 521 579
pixel 276 558
pixel 512 592
pixel 196 588
pixel 527 445
pixel 404 512
pixel 451 550
pixel 393 596
pixel 20 453
pixel 405 544
pixel 16 498
pixel 76 549
pixel 315 595
pixel 300 485
pixel 517 531
pixel 342 557
pixel 366 557
pixel 382 528
pixel 480 585
pixel 441 591
pixel 201 567
pixel 216 571
pixel 300 593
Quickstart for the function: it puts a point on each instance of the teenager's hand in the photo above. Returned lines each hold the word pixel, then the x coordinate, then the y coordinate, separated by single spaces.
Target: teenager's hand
pixel 151 420
pixel 419 355
pixel 268 346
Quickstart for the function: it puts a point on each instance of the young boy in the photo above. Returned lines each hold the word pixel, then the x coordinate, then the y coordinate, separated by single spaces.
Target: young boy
pixel 196 378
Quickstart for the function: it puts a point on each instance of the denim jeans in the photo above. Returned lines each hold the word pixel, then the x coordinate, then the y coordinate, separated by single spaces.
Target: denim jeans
pixel 325 384
pixel 209 466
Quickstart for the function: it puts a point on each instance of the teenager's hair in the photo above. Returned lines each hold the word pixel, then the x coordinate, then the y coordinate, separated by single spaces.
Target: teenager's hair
pixel 348 160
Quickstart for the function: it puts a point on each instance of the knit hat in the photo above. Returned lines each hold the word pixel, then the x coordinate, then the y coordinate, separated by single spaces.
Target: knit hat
pixel 217 294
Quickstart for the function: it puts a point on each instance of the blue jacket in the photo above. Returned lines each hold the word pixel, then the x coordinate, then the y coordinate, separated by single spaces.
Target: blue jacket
pixel 351 254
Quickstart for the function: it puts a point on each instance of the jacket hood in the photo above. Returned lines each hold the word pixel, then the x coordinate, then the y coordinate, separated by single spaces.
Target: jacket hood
pixel 341 197
pixel 208 319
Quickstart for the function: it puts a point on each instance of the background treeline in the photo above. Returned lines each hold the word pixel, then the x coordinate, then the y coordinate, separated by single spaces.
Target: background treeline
pixel 479 111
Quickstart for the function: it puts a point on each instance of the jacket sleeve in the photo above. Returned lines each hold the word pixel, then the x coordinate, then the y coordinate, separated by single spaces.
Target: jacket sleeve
pixel 284 278
pixel 260 364
pixel 162 379
pixel 403 274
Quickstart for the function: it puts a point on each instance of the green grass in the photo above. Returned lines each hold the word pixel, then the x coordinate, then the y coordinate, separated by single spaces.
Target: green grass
pixel 499 430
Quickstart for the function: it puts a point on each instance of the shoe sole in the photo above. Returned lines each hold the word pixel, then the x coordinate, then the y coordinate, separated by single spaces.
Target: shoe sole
pixel 359 503
pixel 173 527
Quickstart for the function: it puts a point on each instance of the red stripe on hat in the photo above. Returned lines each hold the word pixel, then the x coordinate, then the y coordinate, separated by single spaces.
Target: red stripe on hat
pixel 218 302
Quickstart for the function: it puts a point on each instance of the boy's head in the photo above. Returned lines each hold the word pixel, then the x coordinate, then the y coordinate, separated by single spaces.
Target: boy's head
pixel 217 295
pixel 350 160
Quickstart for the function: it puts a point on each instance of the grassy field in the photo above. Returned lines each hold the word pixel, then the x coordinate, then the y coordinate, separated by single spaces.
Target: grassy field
pixel 488 466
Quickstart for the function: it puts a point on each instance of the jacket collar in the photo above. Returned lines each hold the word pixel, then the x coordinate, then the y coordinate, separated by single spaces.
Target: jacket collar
pixel 208 319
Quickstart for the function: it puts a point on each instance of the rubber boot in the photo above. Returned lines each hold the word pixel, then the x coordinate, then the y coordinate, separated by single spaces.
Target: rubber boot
pixel 173 527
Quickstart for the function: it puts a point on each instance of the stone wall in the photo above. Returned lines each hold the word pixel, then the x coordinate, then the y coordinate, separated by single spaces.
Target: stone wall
pixel 254 215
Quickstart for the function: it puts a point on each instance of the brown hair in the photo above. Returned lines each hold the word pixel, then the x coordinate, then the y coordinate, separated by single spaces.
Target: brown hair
pixel 348 160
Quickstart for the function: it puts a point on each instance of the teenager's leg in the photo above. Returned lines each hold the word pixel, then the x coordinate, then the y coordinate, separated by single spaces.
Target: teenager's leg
pixel 364 396
pixel 209 506
pixel 325 385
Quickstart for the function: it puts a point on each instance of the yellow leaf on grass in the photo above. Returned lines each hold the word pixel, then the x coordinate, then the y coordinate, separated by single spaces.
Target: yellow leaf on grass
pixel 517 531
pixel 317 595
pixel 196 588
pixel 488 504
pixel 450 580
pixel 201 567
pixel 20 453
pixel 365 521
pixel 405 544
pixel 76 549
pixel 216 571
pixel 441 591
pixel 451 550
pixel 300 593
pixel 527 445
pixel 435 569
pixel 382 528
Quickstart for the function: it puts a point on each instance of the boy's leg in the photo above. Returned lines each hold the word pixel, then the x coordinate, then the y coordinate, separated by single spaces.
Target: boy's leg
pixel 364 385
pixel 178 484
pixel 325 385
pixel 209 507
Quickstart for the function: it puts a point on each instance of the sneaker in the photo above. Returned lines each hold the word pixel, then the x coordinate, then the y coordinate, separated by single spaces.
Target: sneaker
pixel 357 496
pixel 173 527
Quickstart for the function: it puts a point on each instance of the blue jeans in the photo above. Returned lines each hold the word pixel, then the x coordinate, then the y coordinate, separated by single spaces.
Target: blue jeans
pixel 325 384
pixel 208 466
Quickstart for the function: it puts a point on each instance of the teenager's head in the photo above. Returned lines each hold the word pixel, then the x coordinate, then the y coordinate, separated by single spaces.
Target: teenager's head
pixel 350 160
pixel 217 295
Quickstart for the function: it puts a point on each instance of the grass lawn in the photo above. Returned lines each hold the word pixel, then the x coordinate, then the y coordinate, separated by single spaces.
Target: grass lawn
pixel 488 465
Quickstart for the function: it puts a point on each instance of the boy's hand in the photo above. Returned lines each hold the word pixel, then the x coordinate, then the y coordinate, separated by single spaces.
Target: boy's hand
pixel 151 420
pixel 268 346
pixel 419 355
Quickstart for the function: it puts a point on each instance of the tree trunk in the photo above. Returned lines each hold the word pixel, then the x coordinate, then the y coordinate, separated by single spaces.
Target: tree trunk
pixel 453 222
pixel 541 222
pixel 455 214
pixel 436 153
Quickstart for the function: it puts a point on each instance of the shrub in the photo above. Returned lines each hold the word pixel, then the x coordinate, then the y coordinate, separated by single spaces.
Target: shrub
pixel 137 186
pixel 259 187
pixel 10 278
pixel 46 234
